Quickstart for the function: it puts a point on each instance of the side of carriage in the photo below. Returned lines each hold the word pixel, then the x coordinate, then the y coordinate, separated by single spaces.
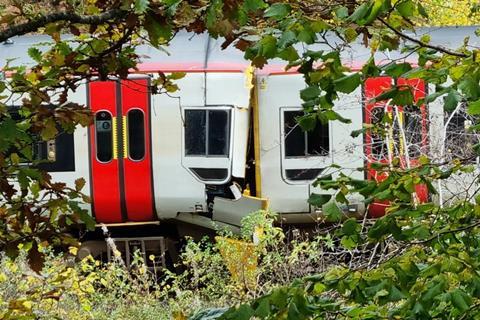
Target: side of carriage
pixel 226 144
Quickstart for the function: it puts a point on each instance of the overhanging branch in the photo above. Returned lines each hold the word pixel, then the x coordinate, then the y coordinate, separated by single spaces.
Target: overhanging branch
pixel 421 43
pixel 34 25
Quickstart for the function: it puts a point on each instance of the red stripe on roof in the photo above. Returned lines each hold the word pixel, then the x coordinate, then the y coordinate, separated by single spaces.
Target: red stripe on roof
pixel 192 67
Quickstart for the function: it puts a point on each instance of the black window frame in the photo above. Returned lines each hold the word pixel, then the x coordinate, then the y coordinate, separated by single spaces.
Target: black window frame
pixel 207 133
pixel 63 145
pixel 128 132
pixel 307 135
pixel 111 136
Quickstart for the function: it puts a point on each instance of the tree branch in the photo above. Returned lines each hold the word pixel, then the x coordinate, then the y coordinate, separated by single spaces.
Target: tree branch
pixel 421 43
pixel 33 25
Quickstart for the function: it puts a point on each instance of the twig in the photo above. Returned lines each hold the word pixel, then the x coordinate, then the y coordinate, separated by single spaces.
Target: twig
pixel 421 43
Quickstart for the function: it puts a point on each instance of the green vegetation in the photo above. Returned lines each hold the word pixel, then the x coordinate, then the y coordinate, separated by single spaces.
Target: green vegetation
pixel 421 261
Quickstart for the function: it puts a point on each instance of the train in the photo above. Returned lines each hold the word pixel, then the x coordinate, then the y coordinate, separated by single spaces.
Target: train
pixel 159 167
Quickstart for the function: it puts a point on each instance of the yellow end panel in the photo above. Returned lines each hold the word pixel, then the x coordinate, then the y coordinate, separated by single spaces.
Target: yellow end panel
pixel 114 138
pixel 256 141
pixel 125 142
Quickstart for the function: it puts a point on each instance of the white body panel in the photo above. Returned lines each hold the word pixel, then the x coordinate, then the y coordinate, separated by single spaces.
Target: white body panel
pixel 278 93
pixel 176 188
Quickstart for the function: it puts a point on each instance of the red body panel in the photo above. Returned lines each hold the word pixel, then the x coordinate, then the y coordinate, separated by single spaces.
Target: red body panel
pixel 374 87
pixel 138 174
pixel 105 176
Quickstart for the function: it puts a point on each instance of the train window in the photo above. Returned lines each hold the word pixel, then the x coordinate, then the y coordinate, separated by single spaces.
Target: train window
pixel 104 141
pixel 304 144
pixel 195 132
pixel 136 134
pixel 207 132
pixel 56 155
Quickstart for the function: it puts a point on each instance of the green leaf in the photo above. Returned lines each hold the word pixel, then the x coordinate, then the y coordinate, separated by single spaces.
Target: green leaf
pixel 470 88
pixel 35 54
pixel 348 83
pixel 209 314
pixel 288 54
pixel 141 6
pixel 451 101
pixel 341 12
pixel 350 34
pixel 396 70
pixel 370 69
pixel 307 36
pixel 254 5
pixel 332 211
pixel 360 12
pixel 288 38
pixel 406 8
pixel 310 93
pixel 350 227
pixel 474 107
pixel 318 200
pixel 422 11
pixel 374 12
pixel 460 300
pixel 277 11
pixel 307 122
pixel 158 33
pixel 404 97
pixel 87 219
pixel 268 46
pixel 50 130
pixel 177 75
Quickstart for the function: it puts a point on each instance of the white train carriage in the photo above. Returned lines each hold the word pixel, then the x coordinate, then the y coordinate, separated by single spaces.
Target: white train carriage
pixel 225 144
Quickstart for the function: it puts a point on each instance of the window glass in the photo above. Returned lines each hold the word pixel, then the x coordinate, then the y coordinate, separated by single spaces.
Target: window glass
pixel 304 144
pixel 318 141
pixel 195 132
pixel 136 134
pixel 218 132
pixel 207 132
pixel 294 136
pixel 103 129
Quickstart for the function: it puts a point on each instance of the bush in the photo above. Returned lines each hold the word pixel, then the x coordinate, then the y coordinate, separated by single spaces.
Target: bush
pixel 93 290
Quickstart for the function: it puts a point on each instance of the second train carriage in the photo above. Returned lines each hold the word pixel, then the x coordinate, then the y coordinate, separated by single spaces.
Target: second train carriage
pixel 226 143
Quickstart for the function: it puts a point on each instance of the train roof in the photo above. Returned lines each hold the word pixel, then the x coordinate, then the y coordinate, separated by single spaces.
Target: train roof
pixel 199 53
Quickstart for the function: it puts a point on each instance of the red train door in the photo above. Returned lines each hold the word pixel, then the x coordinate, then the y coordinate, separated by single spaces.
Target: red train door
pixel 406 139
pixel 120 151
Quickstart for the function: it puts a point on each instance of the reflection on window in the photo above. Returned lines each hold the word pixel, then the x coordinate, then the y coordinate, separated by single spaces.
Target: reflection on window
pixel 304 144
pixel 103 129
pixel 460 139
pixel 136 134
pixel 302 174
pixel 207 132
